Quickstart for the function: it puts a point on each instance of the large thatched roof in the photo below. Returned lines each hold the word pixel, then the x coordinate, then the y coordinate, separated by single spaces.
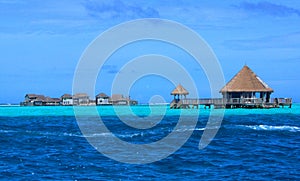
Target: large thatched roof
pixel 179 90
pixel 246 81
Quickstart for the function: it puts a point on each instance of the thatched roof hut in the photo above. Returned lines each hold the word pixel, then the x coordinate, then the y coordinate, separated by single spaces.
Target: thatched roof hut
pixel 246 84
pixel 179 90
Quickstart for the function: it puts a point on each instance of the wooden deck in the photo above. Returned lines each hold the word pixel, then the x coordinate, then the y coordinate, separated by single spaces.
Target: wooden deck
pixel 230 103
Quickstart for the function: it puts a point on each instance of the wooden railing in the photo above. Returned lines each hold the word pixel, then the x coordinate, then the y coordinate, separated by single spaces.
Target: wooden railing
pixel 281 101
pixel 221 101
pixel 235 102
pixel 202 101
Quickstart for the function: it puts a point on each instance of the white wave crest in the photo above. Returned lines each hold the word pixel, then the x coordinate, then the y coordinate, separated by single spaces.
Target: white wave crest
pixel 98 135
pixel 274 128
pixel 7 131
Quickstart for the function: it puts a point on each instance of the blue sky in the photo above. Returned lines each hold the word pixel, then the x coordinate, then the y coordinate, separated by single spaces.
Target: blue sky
pixel 41 42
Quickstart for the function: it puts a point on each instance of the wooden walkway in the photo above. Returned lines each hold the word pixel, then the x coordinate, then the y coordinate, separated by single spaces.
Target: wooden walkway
pixel 230 103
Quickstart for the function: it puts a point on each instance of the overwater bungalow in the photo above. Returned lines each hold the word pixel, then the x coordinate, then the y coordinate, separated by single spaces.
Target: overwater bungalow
pixel 33 100
pixel 49 101
pixel 244 90
pixel 116 99
pixel 179 94
pixel 39 100
pixel 81 99
pixel 78 99
pixel 102 99
pixel 67 100
pixel 119 99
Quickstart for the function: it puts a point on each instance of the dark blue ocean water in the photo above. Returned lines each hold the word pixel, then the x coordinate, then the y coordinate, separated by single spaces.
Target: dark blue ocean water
pixel 46 143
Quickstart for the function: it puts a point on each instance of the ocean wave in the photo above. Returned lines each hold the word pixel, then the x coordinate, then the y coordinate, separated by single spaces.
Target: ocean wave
pixel 128 135
pixel 42 133
pixel 97 135
pixel 131 135
pixel 197 129
pixel 7 131
pixel 273 128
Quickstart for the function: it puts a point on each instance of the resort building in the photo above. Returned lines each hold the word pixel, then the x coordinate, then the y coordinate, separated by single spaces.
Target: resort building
pixel 39 100
pixel 102 99
pixel 81 99
pixel 67 100
pixel 116 99
pixel 51 101
pixel 246 89
pixel 246 84
pixel 119 99
pixel 33 99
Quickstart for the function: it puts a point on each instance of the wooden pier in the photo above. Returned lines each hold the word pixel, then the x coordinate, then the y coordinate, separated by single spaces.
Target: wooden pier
pixel 230 103
pixel 244 90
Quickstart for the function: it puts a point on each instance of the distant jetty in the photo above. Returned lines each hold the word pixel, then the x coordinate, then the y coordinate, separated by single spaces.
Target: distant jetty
pixel 244 90
pixel 79 99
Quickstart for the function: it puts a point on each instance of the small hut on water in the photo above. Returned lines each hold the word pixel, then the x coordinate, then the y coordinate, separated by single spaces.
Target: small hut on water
pixel 246 89
pixel 179 93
